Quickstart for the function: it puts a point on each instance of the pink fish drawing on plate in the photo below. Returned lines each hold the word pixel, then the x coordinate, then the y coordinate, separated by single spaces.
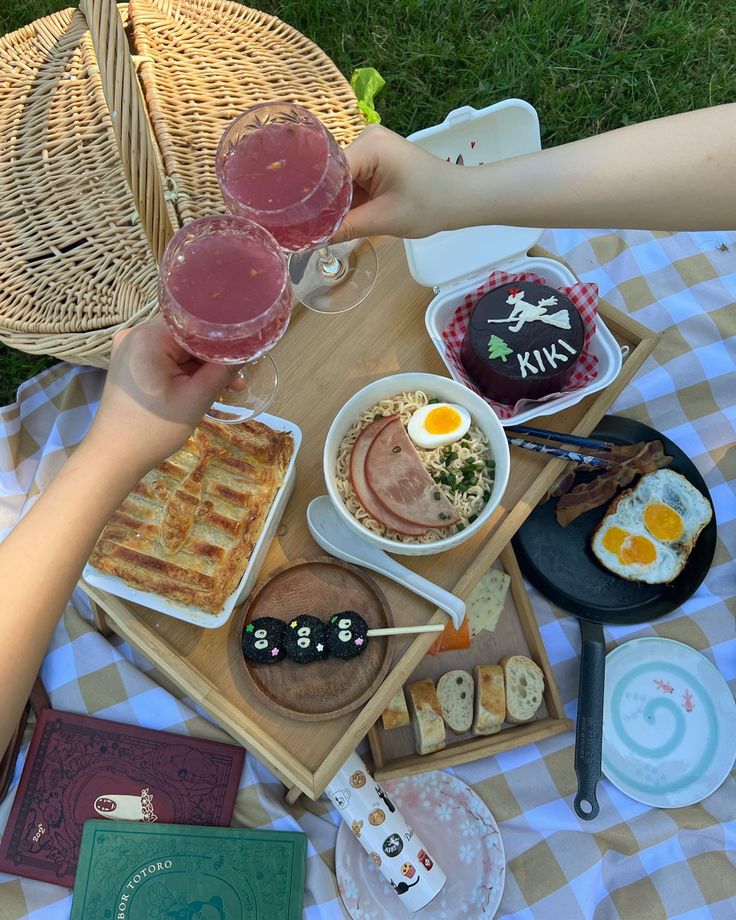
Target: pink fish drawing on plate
pixel 664 686
pixel 687 701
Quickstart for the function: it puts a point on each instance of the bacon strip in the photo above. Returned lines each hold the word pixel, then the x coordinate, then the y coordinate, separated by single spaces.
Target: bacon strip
pixel 633 459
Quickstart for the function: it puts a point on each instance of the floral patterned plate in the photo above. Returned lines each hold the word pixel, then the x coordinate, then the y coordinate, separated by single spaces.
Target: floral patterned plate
pixel 449 817
pixel 668 723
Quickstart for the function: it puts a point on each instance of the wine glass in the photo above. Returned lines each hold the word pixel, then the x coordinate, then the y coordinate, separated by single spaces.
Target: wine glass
pixel 278 165
pixel 225 295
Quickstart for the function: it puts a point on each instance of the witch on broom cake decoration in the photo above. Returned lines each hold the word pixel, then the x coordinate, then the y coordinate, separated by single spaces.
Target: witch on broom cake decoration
pixel 525 312
pixel 515 348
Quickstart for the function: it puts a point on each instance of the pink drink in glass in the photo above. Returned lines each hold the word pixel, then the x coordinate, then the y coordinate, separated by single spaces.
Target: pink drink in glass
pixel 224 289
pixel 287 173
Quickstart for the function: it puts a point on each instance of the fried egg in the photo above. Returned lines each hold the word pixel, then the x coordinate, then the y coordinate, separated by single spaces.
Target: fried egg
pixel 650 530
pixel 438 425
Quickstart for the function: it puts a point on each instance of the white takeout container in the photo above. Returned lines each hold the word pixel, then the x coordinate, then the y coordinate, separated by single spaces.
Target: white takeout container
pixel 447 391
pixel 187 612
pixel 456 262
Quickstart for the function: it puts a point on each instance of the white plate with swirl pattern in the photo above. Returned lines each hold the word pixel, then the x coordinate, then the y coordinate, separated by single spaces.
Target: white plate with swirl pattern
pixel 668 723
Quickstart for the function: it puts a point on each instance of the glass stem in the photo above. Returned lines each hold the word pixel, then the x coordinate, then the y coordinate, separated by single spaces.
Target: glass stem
pixel 330 265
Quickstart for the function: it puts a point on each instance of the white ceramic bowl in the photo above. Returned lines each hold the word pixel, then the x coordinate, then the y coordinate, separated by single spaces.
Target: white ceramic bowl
pixel 446 390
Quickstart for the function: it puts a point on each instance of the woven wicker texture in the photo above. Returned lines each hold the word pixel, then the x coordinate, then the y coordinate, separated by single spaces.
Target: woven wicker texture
pixel 203 62
pixel 141 162
pixel 74 260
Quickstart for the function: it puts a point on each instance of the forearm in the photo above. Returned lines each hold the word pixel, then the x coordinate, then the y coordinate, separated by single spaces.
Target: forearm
pixel 41 561
pixel 676 173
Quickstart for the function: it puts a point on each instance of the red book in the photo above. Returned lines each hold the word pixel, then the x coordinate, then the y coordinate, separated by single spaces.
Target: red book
pixel 80 768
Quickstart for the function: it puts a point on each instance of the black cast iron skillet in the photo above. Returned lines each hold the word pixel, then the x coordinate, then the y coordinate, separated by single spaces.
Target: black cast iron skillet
pixel 559 563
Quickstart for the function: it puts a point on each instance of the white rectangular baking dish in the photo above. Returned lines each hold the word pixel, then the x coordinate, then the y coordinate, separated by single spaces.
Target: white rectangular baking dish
pixel 457 262
pixel 187 612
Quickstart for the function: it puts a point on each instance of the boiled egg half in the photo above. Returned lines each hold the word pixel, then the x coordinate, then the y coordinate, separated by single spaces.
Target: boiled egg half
pixel 438 425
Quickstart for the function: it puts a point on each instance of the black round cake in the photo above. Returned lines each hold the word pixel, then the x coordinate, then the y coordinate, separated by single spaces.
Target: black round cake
pixel 263 640
pixel 523 342
pixel 347 634
pixel 304 639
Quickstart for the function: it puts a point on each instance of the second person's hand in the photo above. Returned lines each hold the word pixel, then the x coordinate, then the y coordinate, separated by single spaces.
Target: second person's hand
pixel 401 190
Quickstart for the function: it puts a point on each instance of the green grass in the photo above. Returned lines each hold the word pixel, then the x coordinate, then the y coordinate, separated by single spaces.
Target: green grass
pixel 586 65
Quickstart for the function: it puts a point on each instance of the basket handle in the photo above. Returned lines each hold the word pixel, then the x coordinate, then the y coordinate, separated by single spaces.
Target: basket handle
pixel 129 119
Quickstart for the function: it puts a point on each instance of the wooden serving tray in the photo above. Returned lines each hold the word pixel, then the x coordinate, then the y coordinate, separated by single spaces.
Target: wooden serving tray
pixel 320 690
pixel 322 361
pixel 517 633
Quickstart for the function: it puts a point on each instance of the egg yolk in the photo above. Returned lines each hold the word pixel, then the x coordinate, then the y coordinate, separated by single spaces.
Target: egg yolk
pixel 630 548
pixel 637 551
pixel 613 538
pixel 663 522
pixel 442 420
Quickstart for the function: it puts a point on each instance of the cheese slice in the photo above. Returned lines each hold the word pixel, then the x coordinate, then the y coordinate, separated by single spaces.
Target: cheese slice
pixel 484 606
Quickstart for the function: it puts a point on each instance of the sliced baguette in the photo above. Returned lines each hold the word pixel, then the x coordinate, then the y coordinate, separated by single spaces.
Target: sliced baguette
pixel 395 715
pixel 524 687
pixel 426 716
pixel 490 699
pixel 455 693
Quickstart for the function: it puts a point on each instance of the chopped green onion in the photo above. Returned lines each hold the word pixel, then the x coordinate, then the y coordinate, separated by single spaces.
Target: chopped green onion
pixel 396 450
pixel 472 518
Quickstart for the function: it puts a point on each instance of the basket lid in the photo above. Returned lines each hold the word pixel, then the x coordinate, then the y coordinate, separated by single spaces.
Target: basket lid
pixel 472 137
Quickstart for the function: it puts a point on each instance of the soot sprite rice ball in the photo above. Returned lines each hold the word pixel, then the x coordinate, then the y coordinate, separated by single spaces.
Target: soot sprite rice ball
pixel 347 634
pixel 263 640
pixel 304 639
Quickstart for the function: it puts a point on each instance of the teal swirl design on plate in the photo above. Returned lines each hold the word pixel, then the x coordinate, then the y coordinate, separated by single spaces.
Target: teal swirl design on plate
pixel 653 710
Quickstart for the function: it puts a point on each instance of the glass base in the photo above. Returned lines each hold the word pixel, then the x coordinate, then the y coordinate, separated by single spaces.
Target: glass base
pixel 254 389
pixel 335 278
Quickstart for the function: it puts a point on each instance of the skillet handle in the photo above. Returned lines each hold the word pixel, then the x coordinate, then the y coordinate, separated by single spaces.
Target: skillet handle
pixel 589 731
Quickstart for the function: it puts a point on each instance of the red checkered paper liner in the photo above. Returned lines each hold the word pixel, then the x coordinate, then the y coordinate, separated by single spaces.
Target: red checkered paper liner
pixel 583 296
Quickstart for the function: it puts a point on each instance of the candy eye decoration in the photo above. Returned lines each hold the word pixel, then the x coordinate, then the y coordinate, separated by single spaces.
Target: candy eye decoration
pixel 345 635
pixel 304 633
pixel 261 639
pixel 344 623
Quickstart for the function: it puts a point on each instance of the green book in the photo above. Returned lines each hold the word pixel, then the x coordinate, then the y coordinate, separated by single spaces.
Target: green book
pixel 134 871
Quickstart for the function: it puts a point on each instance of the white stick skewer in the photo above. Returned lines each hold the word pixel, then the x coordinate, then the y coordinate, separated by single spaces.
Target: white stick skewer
pixel 406 630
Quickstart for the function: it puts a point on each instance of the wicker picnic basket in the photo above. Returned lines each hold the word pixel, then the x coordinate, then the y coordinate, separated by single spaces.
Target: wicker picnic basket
pixel 95 173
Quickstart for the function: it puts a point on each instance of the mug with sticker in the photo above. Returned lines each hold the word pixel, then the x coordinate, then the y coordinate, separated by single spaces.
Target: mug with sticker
pixel 401 857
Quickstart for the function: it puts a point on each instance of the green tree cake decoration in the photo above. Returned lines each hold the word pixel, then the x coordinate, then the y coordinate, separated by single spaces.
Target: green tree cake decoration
pixel 497 348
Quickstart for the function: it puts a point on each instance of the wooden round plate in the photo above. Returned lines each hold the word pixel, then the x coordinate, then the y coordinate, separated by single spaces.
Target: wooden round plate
pixel 326 689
